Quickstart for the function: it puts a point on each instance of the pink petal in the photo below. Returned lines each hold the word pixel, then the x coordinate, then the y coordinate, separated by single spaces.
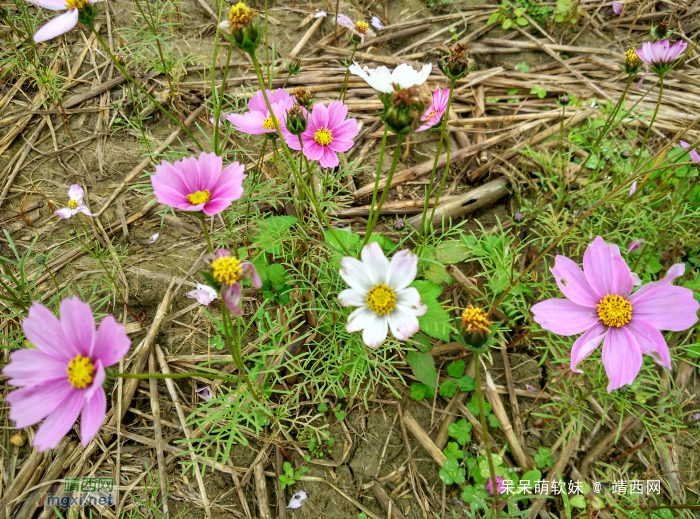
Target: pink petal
pixel 231 296
pixel 59 422
pixel 65 213
pixel 97 380
pixel 92 416
pixel 257 102
pixel 674 271
pixel 375 263
pixel 337 112
pixel 586 344
pixel 634 245
pixel 622 357
pixel 650 341
pixel 340 146
pixel 403 325
pixel 32 367
pixel 249 272
pixel 633 188
pixel 319 116
pixel 78 324
pixel 111 342
pixel 605 270
pixel 209 165
pixel 313 150
pixel 329 159
pixel 572 282
pixel 402 270
pixel 564 317
pixel 28 405
pixel 59 25
pixel 346 130
pixel 76 193
pixel 82 208
pixel 664 306
pixel 45 332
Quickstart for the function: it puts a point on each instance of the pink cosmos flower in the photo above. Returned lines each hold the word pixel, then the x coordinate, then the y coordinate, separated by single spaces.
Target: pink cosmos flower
pixel 659 55
pixel 436 110
pixel 75 203
pixel 230 271
pixel 257 120
pixel 204 294
pixel 62 378
pixel 634 245
pixel 694 155
pixel 63 23
pixel 381 291
pixel 359 29
pixel 617 7
pixel 198 183
pixel 599 301
pixel 327 134
pixel 499 484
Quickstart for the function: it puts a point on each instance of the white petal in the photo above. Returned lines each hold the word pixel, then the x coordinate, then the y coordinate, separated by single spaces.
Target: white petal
pixel 321 14
pixel 352 297
pixel 359 319
pixel 154 238
pixel 376 330
pixel 402 270
pixel 76 193
pixel 66 212
pixel 375 263
pixel 297 500
pixel 410 301
pixel 57 26
pixel 402 324
pixel 354 272
pixel 209 290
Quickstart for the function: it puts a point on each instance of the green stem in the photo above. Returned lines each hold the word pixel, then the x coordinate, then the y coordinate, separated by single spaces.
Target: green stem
pixel 289 182
pixel 485 431
pixel 234 347
pixel 376 180
pixel 143 90
pixel 651 123
pixel 203 219
pixel 387 187
pixel 220 103
pixel 347 75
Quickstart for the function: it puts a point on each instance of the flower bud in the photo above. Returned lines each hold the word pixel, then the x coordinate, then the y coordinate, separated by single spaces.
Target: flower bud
pixel 660 32
pixel 399 223
pixel 87 14
pixel 564 100
pixel 294 66
pixel 403 111
pixel 625 154
pixel 455 66
pixel 646 191
pixel 296 121
pixel 302 97
pixel 244 33
pixel 518 217
pixel 475 329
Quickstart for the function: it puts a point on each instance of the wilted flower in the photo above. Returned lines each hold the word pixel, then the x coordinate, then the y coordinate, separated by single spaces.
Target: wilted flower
pixel 600 303
pixel 500 485
pixel 204 294
pixel 239 24
pixel 204 392
pixel 65 22
pixel 62 378
pixel 518 217
pixel 660 56
pixel 376 22
pixel 436 110
pixel 617 7
pixel 228 272
pixel 75 203
pixel 302 97
pixel 625 154
pixel 327 134
pixel 381 291
pixel 634 245
pixel 358 30
pixel 564 100
pixel 475 328
pixel 455 65
pixel 383 80
pixel 660 32
pixel 258 119
pixel 530 388
pixel 403 111
pixel 297 500
pixel 196 184
pixel 694 155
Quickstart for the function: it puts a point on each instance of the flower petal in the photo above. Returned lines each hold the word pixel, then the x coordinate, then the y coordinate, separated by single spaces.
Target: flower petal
pixel 329 159
pixel 352 297
pixel 64 213
pixel 28 405
pixel 57 26
pixel 44 331
pixel 92 416
pixel 665 306
pixel 231 296
pixel 586 344
pixel 33 367
pixel 622 357
pixel 355 274
pixel 409 300
pixel 375 263
pixel 402 270
pixel 76 193
pixel 59 422
pixel 605 270
pixel 564 317
pixel 54 5
pixel 375 330
pixel 572 282
pixel 358 319
pixel 97 380
pixel 111 342
pixel 650 341
pixel 78 324
pixel 403 324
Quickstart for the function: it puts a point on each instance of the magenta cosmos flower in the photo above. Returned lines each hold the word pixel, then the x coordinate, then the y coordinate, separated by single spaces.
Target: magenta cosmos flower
pixel 75 203
pixel 198 184
pixel 694 155
pixel 659 56
pixel 359 29
pixel 599 301
pixel 230 271
pixel 62 378
pixel 327 134
pixel 381 291
pixel 63 23
pixel 436 109
pixel 258 120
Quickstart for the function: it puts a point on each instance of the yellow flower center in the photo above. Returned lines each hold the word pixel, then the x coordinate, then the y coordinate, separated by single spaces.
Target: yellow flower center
pixel 361 27
pixel 72 204
pixel 240 15
pixel 323 136
pixel 381 299
pixel 226 270
pixel 269 123
pixel 474 320
pixel 76 4
pixel 80 371
pixel 632 58
pixel 200 197
pixel 431 114
pixel 614 311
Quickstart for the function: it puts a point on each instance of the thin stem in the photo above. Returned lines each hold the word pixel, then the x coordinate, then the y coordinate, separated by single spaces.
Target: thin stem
pixel 289 182
pixel 485 431
pixel 149 96
pixel 154 30
pixel 376 177
pixel 343 90
pixel 203 219
pixel 651 123
pixel 234 347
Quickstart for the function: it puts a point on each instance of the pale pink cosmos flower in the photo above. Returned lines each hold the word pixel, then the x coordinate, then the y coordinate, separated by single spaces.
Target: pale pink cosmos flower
pixel 204 294
pixel 76 204
pixel 694 155
pixel 599 301
pixel 230 271
pixel 381 291
pixel 196 184
pixel 633 188
pixel 359 28
pixel 659 55
pixel 436 110
pixel 258 119
pixel 62 378
pixel 617 7
pixel 634 245
pixel 63 23
pixel 499 484
pixel 327 134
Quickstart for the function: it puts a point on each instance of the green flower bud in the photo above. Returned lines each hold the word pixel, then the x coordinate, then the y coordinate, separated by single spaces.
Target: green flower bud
pixel 296 121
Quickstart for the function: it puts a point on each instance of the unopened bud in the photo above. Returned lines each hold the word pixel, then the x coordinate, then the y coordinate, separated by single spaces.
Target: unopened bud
pixel 399 223
pixel 518 217
pixel 476 328
pixel 296 120
pixel 564 100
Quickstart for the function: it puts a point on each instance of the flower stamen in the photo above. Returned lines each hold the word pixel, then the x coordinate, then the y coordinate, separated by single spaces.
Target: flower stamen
pixel 72 204
pixel 240 15
pixel 474 320
pixel 226 270
pixel 361 27
pixel 431 114
pixel 323 136
pixel 632 58
pixel 80 371
pixel 76 4
pixel 614 310
pixel 269 122
pixel 381 299
pixel 200 197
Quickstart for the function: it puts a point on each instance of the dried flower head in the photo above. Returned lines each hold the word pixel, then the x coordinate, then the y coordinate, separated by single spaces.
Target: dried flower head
pixel 302 96
pixel 399 223
pixel 564 100
pixel 476 327
pixel 625 154
pixel 518 217
pixel 455 65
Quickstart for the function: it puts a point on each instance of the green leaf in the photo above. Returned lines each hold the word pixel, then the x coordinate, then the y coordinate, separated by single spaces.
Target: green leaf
pixel 519 11
pixel 578 501
pixel 217 342
pixel 522 67
pixel 277 275
pixel 345 237
pixel 513 91
pixel 271 231
pixel 466 384
pixel 286 481
pixel 493 18
pixel 476 497
pixel 448 389
pixel 451 251
pixel 460 431
pixel 493 421
pixel 453 451
pixel 422 342
pixel 322 407
pixel 544 457
pixel 522 22
pixel 532 476
pixel 451 472
pixel 473 407
pixel 498 467
pixel 437 274
pixel 419 391
pixel 423 366
pixel 507 23
pixel 436 321
pixel 456 368
pixel 340 415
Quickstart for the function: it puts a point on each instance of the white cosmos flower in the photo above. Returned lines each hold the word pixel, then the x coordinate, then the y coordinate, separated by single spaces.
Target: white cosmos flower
pixel 380 290
pixel 383 80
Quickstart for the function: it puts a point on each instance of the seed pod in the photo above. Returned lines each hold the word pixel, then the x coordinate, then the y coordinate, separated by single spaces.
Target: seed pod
pixel 17 440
